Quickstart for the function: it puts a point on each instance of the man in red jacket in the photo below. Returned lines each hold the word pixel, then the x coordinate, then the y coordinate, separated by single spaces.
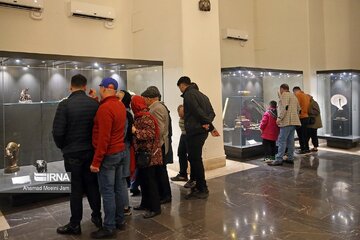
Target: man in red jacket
pixel 109 157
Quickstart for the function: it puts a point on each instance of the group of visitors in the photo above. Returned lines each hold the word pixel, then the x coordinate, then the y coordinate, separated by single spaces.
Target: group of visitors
pixel 103 144
pixel 298 112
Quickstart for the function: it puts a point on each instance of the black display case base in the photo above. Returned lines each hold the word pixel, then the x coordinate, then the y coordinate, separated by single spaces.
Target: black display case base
pixel 341 143
pixel 244 153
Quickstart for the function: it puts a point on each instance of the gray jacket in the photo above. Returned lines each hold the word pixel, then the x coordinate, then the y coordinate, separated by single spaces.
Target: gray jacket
pixel 159 111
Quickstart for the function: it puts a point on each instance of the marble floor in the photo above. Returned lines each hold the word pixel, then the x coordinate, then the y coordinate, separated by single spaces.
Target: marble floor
pixel 316 198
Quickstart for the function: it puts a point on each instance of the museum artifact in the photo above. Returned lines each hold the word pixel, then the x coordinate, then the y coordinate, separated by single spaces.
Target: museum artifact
pixel 25 96
pixel 338 101
pixel 205 5
pixel 12 157
pixel 41 166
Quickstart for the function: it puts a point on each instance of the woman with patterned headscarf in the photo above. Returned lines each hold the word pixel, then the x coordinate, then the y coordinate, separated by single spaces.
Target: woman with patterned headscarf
pixel 147 137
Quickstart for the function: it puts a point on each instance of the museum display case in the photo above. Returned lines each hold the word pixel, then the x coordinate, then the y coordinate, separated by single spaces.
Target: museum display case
pixel 338 98
pixel 246 93
pixel 32 85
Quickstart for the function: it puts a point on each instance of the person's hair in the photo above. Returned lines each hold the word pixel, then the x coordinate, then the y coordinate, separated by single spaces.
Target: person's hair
pixel 273 104
pixel 184 80
pixel 78 81
pixel 180 106
pixel 284 86
pixel 296 89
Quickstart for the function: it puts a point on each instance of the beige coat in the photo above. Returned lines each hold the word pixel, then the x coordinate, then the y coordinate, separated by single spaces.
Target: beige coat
pixel 288 111
pixel 159 111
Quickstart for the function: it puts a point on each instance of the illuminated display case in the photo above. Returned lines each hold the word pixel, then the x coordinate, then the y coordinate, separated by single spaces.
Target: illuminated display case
pixel 338 98
pixel 246 93
pixel 32 85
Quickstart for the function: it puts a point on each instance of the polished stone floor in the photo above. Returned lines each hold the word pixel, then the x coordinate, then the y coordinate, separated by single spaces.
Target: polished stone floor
pixel 316 198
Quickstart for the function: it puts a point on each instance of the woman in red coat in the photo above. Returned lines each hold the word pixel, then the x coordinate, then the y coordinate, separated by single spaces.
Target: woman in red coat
pixel 147 137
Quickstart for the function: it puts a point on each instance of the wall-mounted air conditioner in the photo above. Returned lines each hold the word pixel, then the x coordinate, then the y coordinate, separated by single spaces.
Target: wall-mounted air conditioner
pixel 235 34
pixel 35 6
pixel 93 11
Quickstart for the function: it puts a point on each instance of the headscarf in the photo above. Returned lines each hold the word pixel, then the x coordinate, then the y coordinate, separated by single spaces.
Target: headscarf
pixel 140 109
pixel 126 100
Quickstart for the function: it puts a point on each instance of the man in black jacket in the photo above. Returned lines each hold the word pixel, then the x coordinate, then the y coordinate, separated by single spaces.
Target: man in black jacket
pixel 198 115
pixel 72 132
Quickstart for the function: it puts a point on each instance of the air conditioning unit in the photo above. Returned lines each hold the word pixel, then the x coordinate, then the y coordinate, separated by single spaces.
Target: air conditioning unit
pixel 33 5
pixel 93 11
pixel 235 34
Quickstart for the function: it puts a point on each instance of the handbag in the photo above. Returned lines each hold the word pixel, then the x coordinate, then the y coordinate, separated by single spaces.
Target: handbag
pixel 311 120
pixel 142 158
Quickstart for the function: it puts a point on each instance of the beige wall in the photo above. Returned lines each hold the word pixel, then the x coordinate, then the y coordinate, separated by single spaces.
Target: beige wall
pixel 237 14
pixel 281 35
pixel 57 33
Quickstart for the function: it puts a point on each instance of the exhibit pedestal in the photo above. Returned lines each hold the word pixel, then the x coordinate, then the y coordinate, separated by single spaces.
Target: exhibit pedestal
pixel 341 143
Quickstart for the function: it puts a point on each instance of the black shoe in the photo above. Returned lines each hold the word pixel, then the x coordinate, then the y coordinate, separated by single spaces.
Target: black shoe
pixel 97 221
pixel 69 229
pixel 121 226
pixel 165 200
pixel 139 208
pixel 151 214
pixel 196 194
pixel 135 192
pixel 103 233
pixel 179 178
pixel 302 151
pixel 288 161
pixel 275 163
pixel 190 184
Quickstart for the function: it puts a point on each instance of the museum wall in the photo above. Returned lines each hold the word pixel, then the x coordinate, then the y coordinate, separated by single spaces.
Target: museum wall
pixel 239 15
pixel 342 35
pixel 281 35
pixel 57 33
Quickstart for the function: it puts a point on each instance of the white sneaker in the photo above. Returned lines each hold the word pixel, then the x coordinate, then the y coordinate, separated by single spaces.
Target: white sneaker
pixel 285 157
pixel 268 160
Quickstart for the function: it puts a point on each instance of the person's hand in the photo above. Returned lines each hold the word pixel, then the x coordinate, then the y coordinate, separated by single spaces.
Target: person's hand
pixel 206 126
pixel 278 121
pixel 94 169
pixel 215 133
pixel 133 129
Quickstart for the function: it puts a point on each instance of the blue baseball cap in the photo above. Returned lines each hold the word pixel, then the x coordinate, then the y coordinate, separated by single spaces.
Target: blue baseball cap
pixel 109 83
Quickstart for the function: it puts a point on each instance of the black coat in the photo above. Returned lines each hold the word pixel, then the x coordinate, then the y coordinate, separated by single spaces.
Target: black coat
pixel 197 111
pixel 73 123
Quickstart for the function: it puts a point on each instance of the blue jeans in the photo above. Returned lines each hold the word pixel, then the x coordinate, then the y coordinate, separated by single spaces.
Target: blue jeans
pixel 111 184
pixel 285 140
pixel 126 173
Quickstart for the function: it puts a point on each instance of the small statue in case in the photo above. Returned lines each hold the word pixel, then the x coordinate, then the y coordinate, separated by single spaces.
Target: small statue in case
pixel 41 166
pixel 12 157
pixel 25 96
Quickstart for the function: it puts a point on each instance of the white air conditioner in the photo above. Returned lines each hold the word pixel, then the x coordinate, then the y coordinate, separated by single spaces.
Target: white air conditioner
pixel 93 11
pixel 34 5
pixel 235 34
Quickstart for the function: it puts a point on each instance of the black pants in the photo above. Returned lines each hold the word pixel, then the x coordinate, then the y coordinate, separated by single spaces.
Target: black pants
pixel 302 133
pixel 183 156
pixel 162 178
pixel 149 188
pixel 269 148
pixel 312 133
pixel 82 181
pixel 195 145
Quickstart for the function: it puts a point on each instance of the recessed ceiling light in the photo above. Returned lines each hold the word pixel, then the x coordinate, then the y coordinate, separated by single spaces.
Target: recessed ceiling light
pixel 96 64
pixel 17 60
pixel 100 68
pixel 112 70
pixel 25 68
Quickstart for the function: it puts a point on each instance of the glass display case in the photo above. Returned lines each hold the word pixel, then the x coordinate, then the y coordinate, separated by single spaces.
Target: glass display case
pixel 338 98
pixel 32 85
pixel 246 93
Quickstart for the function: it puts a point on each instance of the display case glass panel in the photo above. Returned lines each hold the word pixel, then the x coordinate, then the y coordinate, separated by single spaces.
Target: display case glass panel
pixel 246 93
pixel 32 85
pixel 338 98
